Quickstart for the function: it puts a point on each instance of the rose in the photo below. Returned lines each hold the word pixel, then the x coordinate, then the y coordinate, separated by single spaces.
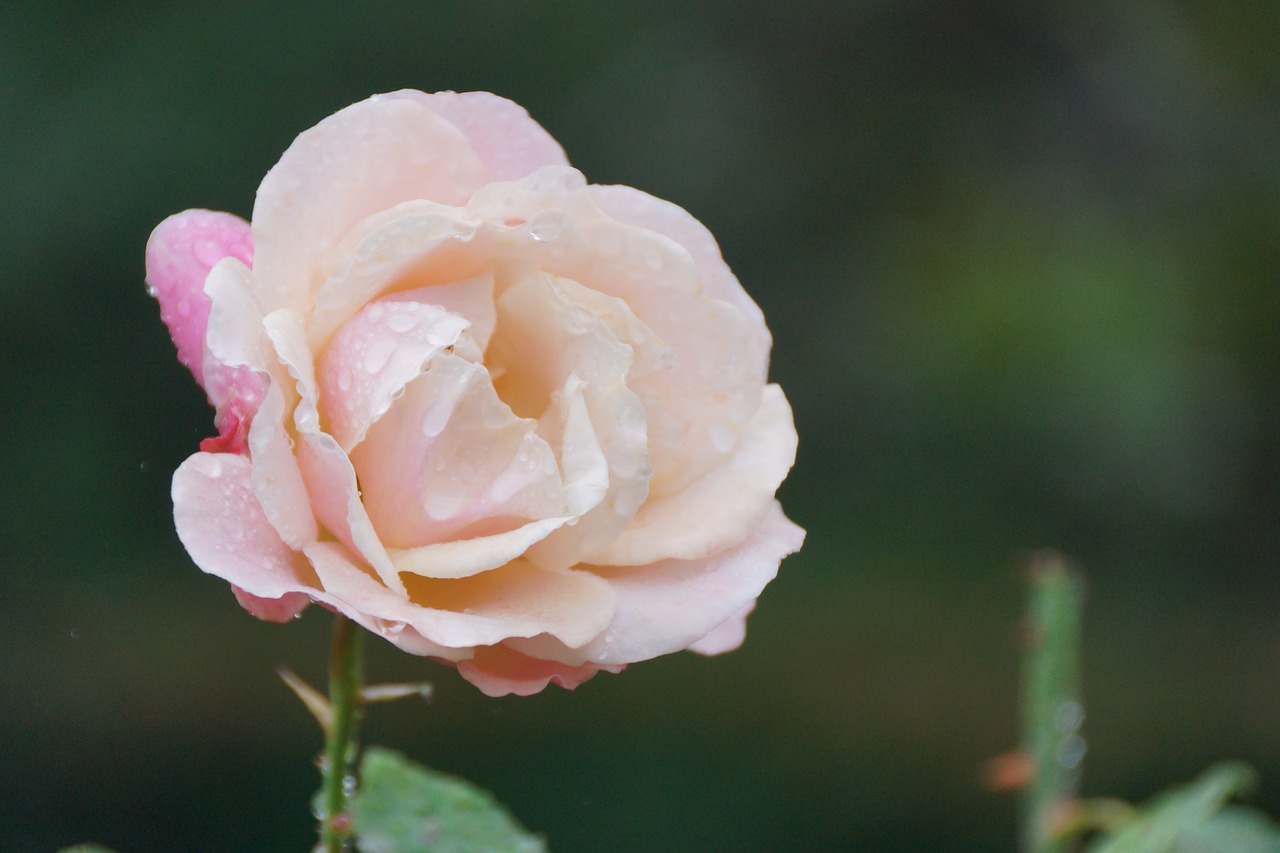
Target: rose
pixel 504 419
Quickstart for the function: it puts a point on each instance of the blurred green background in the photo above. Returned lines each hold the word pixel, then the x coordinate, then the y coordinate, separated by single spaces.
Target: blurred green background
pixel 1020 260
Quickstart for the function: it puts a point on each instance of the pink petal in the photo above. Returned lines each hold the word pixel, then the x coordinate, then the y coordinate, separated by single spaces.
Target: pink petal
pixel 726 636
pixel 673 604
pixel 509 143
pixel 282 609
pixel 373 356
pixel 225 531
pixel 356 163
pixel 181 251
pixel 499 671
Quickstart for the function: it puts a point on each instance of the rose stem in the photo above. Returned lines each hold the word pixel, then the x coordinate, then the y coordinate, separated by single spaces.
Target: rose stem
pixel 1051 709
pixel 340 746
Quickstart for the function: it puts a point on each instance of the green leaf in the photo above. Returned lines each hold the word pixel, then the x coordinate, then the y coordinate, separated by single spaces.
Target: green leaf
pixel 1194 818
pixel 402 807
pixel 1235 829
pixel 87 848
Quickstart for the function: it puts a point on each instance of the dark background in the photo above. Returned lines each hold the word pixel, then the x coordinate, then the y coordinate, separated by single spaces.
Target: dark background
pixel 1020 260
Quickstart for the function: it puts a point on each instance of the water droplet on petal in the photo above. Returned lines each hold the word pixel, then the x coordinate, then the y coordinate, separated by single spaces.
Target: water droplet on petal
pixel 379 354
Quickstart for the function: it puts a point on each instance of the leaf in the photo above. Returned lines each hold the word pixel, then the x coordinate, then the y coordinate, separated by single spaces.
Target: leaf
pixel 402 807
pixel 89 847
pixel 1192 819
pixel 1235 829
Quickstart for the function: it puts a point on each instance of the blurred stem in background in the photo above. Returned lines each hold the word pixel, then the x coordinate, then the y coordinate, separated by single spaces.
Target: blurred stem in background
pixel 340 735
pixel 1051 709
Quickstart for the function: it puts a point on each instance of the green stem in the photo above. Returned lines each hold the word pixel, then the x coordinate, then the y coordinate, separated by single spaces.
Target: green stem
pixel 340 745
pixel 1051 708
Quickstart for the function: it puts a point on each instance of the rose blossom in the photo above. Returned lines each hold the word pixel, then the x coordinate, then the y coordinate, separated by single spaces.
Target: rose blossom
pixel 503 418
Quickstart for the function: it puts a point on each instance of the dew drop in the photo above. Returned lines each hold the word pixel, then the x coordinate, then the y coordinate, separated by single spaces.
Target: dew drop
pixel 375 313
pixel 544 231
pixel 378 355
pixel 344 379
pixel 401 322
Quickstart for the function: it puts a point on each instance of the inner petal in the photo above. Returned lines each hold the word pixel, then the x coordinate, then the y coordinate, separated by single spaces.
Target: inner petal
pixel 450 460
pixel 373 357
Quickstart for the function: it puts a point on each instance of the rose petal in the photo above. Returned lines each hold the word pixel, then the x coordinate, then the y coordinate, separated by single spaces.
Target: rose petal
pixel 508 142
pixel 726 636
pixel 180 252
pixel 671 604
pixel 635 207
pixel 410 246
pixel 501 671
pixel 360 161
pixel 370 360
pixel 224 529
pixel 277 481
pixel 518 600
pixel 465 557
pixel 450 459
pixel 282 609
pixel 722 507
pixel 710 386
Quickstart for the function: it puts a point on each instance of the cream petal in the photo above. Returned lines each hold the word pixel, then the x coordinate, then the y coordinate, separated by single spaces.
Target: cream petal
pixel 277 481
pixel 223 527
pixel 450 459
pixel 711 378
pixel 407 247
pixel 517 600
pixel 673 604
pixel 237 356
pixel 373 356
pixel 720 508
pixel 559 359
pixel 361 160
pixel 462 558
pixel 285 331
pixel 635 207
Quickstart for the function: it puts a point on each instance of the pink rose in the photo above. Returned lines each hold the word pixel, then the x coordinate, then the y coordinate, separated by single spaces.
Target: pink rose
pixel 503 418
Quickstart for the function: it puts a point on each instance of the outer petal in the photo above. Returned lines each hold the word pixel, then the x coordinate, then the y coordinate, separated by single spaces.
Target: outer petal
pixel 501 671
pixel 634 207
pixel 237 357
pixel 281 609
pixel 181 251
pixel 673 604
pixel 722 507
pixel 225 531
pixel 726 636
pixel 518 600
pixel 362 160
pixel 509 143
